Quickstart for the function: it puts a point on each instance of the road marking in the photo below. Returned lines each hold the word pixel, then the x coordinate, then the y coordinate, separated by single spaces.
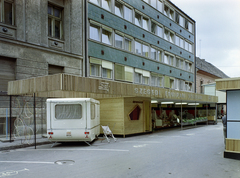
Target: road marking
pixel 116 150
pixel 139 146
pixel 27 162
pixel 11 173
pixel 190 134
pixel 143 141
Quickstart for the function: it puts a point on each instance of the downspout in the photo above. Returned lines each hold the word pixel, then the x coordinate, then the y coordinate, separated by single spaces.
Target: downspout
pixel 85 38
pixel 195 71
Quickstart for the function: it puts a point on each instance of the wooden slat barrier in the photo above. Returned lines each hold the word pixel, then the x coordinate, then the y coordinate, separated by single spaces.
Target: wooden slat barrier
pixel 233 145
pixel 65 85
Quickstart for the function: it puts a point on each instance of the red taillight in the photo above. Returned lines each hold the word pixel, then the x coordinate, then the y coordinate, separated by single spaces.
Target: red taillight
pixel 50 133
pixel 86 133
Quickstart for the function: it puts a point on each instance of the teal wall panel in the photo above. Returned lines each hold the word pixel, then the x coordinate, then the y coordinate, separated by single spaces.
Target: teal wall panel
pixel 118 56
pixel 117 23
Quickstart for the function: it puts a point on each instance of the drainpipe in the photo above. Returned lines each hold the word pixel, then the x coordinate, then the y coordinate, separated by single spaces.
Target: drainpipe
pixel 85 38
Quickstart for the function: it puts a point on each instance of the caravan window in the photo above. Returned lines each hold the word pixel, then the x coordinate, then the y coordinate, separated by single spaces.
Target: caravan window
pixel 68 111
pixel 92 111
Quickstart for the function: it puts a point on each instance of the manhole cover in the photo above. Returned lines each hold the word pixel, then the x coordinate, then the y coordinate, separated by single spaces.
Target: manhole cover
pixel 64 162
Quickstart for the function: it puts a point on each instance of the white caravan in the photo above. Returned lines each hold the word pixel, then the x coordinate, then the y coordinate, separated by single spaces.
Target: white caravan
pixel 73 119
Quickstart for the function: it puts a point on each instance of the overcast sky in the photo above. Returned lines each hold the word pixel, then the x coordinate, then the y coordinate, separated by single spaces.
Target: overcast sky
pixel 217 32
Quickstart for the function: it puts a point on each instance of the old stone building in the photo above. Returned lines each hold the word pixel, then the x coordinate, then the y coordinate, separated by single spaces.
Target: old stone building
pixel 206 73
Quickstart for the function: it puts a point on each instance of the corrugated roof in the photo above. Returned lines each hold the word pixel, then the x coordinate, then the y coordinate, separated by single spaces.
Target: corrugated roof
pixel 203 65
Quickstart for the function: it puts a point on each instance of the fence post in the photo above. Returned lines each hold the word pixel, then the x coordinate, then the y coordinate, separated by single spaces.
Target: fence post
pixel 34 112
pixel 10 118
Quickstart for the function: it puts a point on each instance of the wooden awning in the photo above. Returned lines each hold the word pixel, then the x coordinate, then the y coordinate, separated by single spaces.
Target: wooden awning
pixel 69 86
pixel 228 84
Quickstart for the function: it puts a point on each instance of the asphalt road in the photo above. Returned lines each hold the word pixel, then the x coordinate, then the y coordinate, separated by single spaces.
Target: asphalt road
pixel 175 153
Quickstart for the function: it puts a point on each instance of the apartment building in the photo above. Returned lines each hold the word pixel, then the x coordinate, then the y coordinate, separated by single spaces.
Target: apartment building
pixel 113 45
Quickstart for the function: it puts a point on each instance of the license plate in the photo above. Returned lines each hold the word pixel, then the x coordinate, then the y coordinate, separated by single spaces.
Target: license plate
pixel 68 133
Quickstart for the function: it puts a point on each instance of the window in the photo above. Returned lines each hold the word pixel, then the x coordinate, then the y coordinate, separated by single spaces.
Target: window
pixel 141 76
pixel 107 36
pixel 177 84
pixel 100 33
pixel 138 19
pixel 172 83
pixel 106 4
pixel 55 25
pixel 100 68
pixel 201 86
pixel 128 44
pixel 145 50
pixel 178 62
pixel 124 73
pixel 138 48
pixel 188 86
pixel 159 5
pixel 159 56
pixel 95 2
pixel 135 113
pixel 182 82
pixel 168 12
pixel 118 9
pixel 68 111
pixel 95 67
pixel 168 35
pixel 177 41
pixel 179 19
pixel 107 68
pixel 92 111
pixel 156 29
pixel 145 23
pixel 7 12
pixel 128 14
pixel 123 41
pixel 156 80
pixel 118 41
pixel 153 3
pixel 168 59
pixel 190 27
pixel 181 42
pixel 190 67
pixel 94 32
pixel 153 54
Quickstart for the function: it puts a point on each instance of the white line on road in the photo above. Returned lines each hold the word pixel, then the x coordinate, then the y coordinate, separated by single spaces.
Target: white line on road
pixel 60 149
pixel 143 141
pixel 27 162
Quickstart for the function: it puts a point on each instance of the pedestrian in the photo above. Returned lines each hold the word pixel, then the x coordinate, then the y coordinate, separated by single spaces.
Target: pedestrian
pixel 224 121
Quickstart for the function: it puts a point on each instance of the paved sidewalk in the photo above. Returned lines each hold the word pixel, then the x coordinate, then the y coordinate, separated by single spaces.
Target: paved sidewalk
pixel 5 143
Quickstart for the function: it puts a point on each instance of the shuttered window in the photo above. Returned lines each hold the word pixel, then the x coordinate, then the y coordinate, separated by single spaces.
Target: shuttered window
pixel 7 72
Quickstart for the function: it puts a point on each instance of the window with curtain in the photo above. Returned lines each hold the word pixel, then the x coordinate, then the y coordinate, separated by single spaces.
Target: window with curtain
pixel 159 56
pixel 153 3
pixel 107 68
pixel 68 111
pixel 124 73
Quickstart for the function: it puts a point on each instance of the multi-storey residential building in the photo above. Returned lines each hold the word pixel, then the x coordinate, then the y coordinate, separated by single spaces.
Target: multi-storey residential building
pixel 148 45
